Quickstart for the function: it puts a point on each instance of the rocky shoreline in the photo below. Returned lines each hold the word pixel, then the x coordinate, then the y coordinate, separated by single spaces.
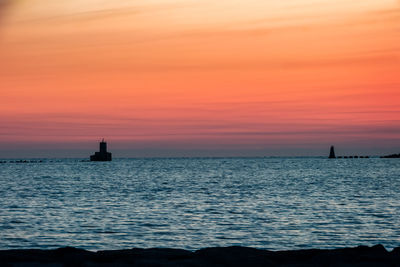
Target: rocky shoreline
pixel 228 256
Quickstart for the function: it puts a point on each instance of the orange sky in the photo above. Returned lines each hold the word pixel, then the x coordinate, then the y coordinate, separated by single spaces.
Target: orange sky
pixel 187 78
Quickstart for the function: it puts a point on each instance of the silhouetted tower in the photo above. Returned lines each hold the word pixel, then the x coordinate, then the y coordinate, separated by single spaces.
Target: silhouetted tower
pixel 103 146
pixel 102 155
pixel 332 153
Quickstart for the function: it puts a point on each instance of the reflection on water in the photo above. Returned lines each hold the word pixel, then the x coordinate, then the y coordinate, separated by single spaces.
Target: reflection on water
pixel 272 203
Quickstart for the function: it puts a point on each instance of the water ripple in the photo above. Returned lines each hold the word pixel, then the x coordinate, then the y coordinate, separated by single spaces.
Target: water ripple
pixel 271 203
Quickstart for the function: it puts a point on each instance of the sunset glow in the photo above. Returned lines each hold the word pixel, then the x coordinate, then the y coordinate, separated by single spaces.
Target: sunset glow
pixel 199 78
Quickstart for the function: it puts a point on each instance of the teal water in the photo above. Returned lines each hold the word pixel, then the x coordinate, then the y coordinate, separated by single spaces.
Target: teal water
pixel 270 203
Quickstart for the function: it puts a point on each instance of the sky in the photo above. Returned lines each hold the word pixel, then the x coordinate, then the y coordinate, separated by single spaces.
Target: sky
pixel 161 78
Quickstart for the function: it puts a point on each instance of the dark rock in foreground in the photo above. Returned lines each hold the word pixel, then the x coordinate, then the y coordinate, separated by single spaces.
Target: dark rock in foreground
pixel 230 256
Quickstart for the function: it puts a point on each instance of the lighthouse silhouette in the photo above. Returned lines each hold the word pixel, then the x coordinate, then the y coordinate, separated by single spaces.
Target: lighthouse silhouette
pixel 102 155
pixel 332 153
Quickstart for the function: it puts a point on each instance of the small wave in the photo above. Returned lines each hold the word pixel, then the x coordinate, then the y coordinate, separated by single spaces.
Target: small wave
pixel 16 222
pixel 106 232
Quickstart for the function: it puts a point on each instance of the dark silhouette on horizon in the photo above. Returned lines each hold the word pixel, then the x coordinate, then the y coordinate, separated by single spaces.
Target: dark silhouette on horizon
pixel 333 156
pixel 102 155
pixel 392 156
pixel 332 153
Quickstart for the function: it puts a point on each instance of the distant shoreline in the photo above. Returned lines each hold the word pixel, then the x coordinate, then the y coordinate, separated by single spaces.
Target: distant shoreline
pixel 220 256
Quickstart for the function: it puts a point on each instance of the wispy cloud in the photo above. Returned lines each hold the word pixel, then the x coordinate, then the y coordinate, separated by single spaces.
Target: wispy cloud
pixel 4 5
pixel 99 13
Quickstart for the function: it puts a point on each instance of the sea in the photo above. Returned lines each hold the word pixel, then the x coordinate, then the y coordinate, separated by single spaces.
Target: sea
pixel 191 203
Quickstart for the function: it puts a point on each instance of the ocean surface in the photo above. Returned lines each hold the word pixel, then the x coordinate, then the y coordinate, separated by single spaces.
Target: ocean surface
pixel 269 203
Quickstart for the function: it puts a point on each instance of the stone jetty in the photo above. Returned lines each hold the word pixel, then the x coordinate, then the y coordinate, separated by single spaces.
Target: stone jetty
pixel 393 156
pixel 333 156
